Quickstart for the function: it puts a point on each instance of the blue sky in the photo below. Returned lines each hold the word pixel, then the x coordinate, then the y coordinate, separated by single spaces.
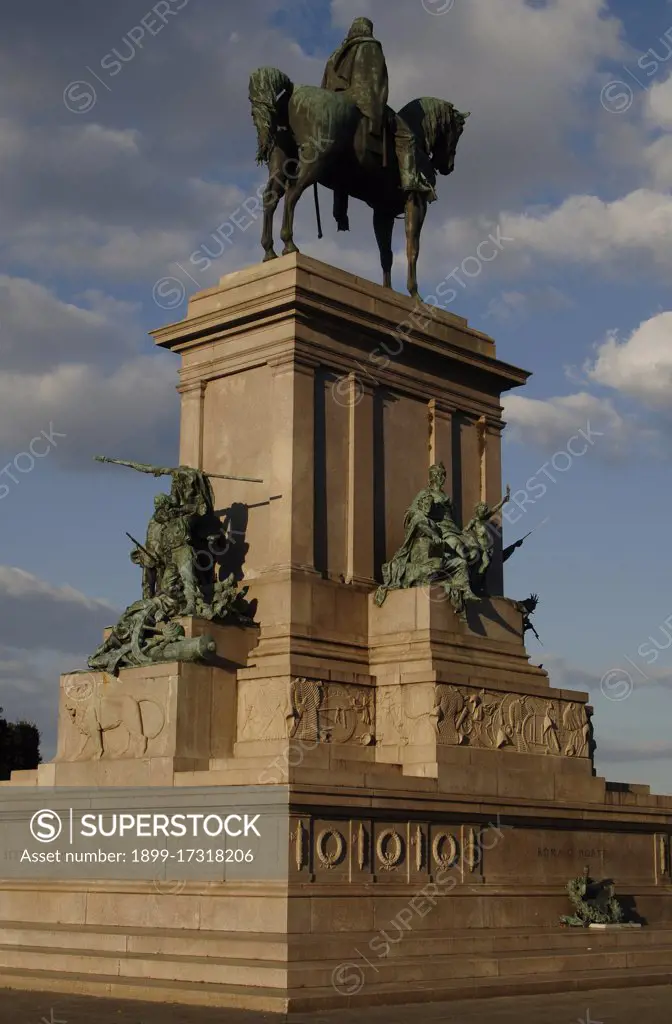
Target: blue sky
pixel 110 181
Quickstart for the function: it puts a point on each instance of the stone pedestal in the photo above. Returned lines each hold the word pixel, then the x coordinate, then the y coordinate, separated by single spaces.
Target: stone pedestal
pixel 141 728
pixel 441 790
pixel 339 394
pixel 450 694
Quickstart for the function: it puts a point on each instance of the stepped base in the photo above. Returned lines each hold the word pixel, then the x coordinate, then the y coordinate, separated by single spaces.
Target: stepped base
pixel 152 965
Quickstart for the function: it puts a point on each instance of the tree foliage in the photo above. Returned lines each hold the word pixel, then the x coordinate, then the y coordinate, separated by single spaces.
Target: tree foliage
pixel 19 746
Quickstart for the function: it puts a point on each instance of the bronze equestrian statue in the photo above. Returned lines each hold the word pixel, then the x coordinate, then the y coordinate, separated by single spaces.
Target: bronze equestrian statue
pixel 344 136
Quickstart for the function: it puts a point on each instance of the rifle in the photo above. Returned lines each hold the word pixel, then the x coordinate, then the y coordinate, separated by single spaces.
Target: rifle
pixel 141 547
pixel 506 554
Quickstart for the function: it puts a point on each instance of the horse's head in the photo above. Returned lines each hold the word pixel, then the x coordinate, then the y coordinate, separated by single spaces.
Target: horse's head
pixel 445 143
pixel 437 125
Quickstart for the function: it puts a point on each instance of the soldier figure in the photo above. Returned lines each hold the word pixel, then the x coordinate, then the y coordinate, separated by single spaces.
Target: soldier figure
pixel 184 526
pixel 150 558
pixel 358 68
pixel 170 544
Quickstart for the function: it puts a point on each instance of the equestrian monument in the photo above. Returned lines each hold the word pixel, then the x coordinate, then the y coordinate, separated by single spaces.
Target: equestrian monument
pixel 321 617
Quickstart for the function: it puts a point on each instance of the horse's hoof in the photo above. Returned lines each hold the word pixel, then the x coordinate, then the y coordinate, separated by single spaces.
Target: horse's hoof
pixel 270 255
pixel 289 249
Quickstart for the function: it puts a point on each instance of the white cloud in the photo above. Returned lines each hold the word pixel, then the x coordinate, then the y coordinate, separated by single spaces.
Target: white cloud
pixel 17 585
pixel 550 423
pixel 658 157
pixel 658 104
pixel 92 406
pixel 640 366
pixel 586 229
pixel 35 614
pixel 151 215
pixel 39 329
pixel 80 367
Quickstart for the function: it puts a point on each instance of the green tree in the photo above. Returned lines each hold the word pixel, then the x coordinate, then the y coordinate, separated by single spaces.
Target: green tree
pixel 19 747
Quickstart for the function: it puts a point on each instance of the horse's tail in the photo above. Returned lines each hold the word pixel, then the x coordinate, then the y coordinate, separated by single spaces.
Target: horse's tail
pixel 270 93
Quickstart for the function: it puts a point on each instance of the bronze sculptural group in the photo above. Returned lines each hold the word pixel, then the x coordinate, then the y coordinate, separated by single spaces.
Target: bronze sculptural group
pixel 593 902
pixel 345 136
pixel 148 633
pixel 435 551
pixel 179 559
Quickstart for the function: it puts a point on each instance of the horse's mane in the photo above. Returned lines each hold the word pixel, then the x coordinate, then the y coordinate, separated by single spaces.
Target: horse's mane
pixel 429 118
pixel 270 93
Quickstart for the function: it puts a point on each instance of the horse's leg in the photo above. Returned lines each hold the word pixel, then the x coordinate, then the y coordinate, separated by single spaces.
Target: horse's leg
pixel 308 173
pixel 383 225
pixel 416 210
pixel 341 199
pixel 272 195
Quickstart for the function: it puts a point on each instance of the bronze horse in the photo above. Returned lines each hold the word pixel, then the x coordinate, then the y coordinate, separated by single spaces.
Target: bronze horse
pixel 308 135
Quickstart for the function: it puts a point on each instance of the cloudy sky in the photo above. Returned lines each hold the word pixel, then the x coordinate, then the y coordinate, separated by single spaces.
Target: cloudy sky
pixel 126 143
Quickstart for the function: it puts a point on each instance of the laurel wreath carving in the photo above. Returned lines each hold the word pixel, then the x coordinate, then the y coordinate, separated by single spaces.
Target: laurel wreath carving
pixel 389 860
pixel 330 858
pixel 444 858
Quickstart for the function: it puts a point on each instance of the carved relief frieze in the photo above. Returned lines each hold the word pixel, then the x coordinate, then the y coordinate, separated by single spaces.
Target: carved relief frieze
pixel 107 724
pixel 501 721
pixel 263 710
pixel 331 712
pixel 398 725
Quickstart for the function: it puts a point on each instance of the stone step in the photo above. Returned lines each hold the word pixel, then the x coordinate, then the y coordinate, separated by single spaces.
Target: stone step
pixel 149 941
pixel 298 1000
pixel 258 946
pixel 318 974
pixel 159 967
pixel 147 990
pixel 437 990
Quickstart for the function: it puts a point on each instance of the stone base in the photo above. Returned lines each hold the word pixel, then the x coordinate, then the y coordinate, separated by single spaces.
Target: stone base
pixel 380 925
pixel 395 893
pixel 255 972
pixel 614 927
pixel 430 849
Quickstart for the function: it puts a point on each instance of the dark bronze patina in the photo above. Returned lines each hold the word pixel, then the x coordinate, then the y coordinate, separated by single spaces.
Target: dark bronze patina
pixel 345 136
